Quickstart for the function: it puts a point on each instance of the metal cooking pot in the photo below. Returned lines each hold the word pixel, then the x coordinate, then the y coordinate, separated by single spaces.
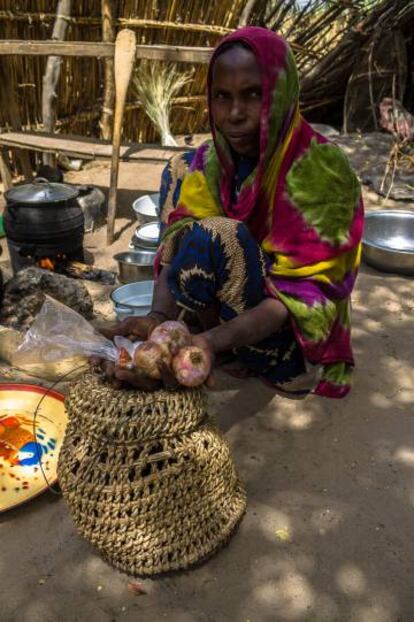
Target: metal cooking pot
pixel 44 218
pixel 41 191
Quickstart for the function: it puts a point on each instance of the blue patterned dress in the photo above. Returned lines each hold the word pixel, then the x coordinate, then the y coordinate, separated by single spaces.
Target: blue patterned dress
pixel 217 263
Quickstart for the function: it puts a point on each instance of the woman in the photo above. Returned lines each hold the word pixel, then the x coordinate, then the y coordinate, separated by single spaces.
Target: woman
pixel 267 227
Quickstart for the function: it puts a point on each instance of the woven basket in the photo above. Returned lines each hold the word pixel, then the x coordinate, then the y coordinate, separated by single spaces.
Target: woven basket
pixel 148 478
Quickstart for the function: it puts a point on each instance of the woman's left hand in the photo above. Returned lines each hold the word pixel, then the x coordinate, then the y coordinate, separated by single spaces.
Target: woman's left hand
pixel 203 342
pixel 126 377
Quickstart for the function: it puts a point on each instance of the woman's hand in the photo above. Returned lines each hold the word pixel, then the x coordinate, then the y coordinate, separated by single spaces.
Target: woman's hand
pixel 121 377
pixel 202 341
pixel 140 328
pixel 134 328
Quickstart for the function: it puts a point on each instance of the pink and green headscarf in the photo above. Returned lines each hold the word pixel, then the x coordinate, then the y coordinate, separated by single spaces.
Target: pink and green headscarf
pixel 302 203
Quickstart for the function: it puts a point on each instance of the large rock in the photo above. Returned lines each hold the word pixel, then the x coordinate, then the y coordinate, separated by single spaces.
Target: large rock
pixel 25 293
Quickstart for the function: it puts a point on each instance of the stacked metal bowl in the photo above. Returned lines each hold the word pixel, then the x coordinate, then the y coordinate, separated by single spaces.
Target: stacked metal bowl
pixel 135 266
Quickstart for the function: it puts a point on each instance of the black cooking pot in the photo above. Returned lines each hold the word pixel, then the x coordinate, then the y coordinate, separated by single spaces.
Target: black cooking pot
pixel 44 218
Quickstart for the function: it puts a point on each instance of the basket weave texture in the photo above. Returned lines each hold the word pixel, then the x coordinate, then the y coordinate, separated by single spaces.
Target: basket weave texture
pixel 148 478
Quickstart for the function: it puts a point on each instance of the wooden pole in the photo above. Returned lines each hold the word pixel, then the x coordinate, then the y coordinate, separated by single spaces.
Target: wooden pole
pixel 108 36
pixel 52 73
pixel 5 174
pixel 167 53
pixel 124 62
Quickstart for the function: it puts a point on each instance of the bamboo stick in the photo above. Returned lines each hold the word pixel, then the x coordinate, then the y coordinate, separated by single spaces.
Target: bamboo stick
pixel 131 22
pixel 246 14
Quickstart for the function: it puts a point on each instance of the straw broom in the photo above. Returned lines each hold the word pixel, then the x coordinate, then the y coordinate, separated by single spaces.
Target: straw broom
pixel 156 84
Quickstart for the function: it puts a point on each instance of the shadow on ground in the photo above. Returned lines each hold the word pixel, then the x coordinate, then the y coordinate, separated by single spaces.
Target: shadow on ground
pixel 327 536
pixel 328 532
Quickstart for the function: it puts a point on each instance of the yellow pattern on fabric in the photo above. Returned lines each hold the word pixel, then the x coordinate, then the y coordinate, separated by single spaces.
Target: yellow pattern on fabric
pixel 196 197
pixel 328 271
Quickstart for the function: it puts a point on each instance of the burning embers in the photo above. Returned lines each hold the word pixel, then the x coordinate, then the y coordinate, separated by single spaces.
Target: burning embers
pixel 60 264
pixel 47 264
pixel 75 269
pixel 57 263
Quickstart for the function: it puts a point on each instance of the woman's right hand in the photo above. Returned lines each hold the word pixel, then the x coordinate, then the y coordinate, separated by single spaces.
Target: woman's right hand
pixel 134 328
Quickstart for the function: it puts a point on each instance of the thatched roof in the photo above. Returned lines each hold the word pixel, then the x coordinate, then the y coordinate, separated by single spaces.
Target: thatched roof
pixel 365 63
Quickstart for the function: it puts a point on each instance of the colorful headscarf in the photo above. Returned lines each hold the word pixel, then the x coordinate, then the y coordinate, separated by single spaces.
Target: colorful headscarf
pixel 302 203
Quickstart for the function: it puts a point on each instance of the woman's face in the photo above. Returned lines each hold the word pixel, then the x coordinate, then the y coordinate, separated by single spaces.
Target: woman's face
pixel 236 100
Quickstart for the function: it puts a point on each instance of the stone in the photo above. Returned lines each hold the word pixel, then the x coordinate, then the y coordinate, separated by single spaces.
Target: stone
pixel 24 295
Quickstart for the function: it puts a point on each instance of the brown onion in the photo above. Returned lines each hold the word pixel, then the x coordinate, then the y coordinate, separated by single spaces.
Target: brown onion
pixel 149 357
pixel 172 334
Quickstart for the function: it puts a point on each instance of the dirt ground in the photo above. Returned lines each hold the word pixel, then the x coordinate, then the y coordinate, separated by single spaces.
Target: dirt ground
pixel 327 536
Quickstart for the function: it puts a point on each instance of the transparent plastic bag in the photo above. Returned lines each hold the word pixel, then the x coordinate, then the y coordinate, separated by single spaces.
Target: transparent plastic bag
pixel 60 337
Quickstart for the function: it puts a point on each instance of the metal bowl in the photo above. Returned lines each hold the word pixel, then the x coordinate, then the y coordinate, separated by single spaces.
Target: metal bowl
pixel 122 312
pixel 147 236
pixel 133 299
pixel 388 241
pixel 146 208
pixel 135 265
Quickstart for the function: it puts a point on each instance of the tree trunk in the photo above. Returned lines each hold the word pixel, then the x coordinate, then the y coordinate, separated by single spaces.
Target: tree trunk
pixel 108 36
pixel 52 73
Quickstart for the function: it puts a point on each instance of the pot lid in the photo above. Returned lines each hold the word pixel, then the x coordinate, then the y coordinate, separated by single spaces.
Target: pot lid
pixel 41 191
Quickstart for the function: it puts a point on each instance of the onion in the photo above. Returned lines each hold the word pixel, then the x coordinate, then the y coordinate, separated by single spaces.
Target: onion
pixel 173 335
pixel 148 358
pixel 191 366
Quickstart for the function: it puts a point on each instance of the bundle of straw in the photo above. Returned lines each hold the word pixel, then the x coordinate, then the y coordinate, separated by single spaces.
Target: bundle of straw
pixel 155 85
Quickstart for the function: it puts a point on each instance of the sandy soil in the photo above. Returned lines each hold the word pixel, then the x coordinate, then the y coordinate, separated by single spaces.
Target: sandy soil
pixel 328 532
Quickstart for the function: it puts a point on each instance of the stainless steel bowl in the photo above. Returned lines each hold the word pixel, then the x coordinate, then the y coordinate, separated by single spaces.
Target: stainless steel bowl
pixel 133 299
pixel 146 208
pixel 123 312
pixel 147 236
pixel 135 265
pixel 388 241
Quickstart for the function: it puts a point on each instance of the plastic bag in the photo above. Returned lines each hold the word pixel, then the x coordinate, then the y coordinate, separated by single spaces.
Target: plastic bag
pixel 60 335
pixel 125 351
